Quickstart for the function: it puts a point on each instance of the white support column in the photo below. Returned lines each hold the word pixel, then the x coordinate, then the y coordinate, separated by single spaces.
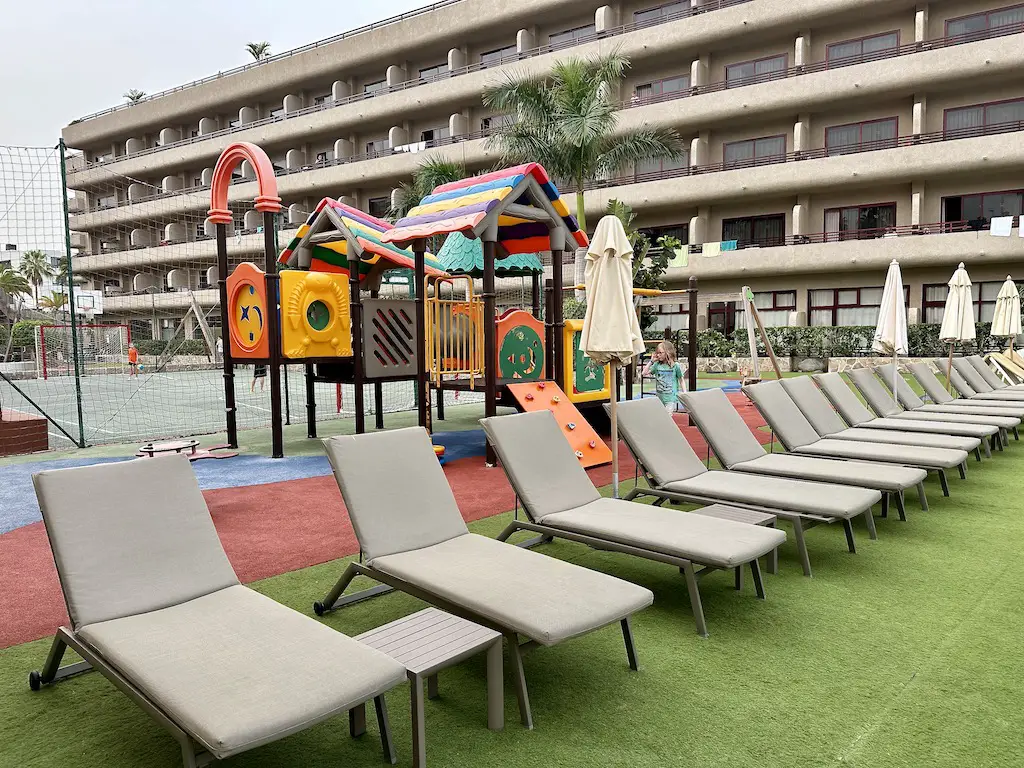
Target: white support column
pixel 801 215
pixel 207 125
pixel 526 40
pixel 917 203
pixel 207 176
pixel 606 17
pixel 295 158
pixel 921 24
pixel 341 89
pixel 802 49
pixel 248 172
pixel 137 190
pixel 134 145
pixel 342 149
pixel 169 136
pixel 170 183
pixel 458 125
pixel 920 114
pixel 291 103
pixel 396 75
pixel 296 214
pixel 699 227
pixel 802 134
pixel 398 136
pixel 457 59
pixel 174 233
pixel 252 220
pixel 699 71
pixel 699 150
pixel 247 115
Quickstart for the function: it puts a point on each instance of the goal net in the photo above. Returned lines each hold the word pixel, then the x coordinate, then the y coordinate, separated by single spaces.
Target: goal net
pixel 101 349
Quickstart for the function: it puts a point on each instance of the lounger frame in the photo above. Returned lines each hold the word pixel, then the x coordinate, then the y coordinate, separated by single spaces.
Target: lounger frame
pixel 336 599
pixel 193 754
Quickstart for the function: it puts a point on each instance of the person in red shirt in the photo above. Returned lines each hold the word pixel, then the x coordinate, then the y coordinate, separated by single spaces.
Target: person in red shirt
pixel 133 360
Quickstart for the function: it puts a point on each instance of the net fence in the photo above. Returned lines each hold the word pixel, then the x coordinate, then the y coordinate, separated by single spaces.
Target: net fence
pixel 129 262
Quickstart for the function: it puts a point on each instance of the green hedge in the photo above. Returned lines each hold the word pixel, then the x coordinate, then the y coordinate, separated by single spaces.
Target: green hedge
pixel 821 341
pixel 177 347
pixel 25 333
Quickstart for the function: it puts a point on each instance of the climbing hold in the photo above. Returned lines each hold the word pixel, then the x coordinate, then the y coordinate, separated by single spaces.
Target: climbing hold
pixel 571 425
pixel 529 396
pixel 541 385
pixel 593 443
pixel 556 400
pixel 579 454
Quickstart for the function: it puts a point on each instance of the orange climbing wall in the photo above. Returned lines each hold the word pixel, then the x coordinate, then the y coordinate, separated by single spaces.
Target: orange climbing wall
pixel 540 395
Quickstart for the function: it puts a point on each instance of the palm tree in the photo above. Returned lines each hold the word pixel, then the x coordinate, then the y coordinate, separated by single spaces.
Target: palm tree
pixel 431 173
pixel 56 302
pixel 16 286
pixel 35 266
pixel 134 95
pixel 260 50
pixel 62 275
pixel 566 121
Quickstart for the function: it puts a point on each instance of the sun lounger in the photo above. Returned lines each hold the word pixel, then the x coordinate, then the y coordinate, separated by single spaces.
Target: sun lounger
pixel 738 450
pixel 414 539
pixel 985 382
pixel 156 608
pixel 827 420
pixel 561 501
pixel 933 387
pixel 880 400
pixel 1009 365
pixel 798 436
pixel 674 473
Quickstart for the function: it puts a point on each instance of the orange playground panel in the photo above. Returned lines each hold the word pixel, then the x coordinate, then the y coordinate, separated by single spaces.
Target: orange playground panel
pixel 590 449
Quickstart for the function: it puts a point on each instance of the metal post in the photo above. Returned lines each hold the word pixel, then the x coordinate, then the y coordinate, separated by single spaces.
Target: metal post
pixel 419 248
pixel 549 328
pixel 378 404
pixel 274 330
pixel 490 338
pixel 230 409
pixel 557 314
pixel 691 352
pixel 71 297
pixel 356 313
pixel 287 404
pixel 535 294
pixel 310 402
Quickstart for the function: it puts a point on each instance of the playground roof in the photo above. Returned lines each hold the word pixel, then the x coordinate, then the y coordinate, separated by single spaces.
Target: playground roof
pixel 461 256
pixel 322 244
pixel 521 202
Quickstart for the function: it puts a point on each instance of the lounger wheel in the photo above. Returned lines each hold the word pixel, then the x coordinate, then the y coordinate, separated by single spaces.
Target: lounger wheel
pixel 318 608
pixel 35 681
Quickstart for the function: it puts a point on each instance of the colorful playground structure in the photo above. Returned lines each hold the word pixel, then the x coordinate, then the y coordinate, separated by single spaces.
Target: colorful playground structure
pixel 447 337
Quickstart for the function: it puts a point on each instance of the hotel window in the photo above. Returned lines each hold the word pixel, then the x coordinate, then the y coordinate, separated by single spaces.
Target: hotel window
pixel 864 49
pixel 983 295
pixel 764 231
pixel 498 56
pixel 757 71
pixel 107 201
pixel 659 167
pixel 571 36
pixel 859 222
pixel 658 89
pixel 744 154
pixel 847 306
pixel 433 73
pixel 379 206
pixel 981 119
pixel 380 85
pixel 378 147
pixel 662 13
pixel 435 134
pixel 979 210
pixel 978 25
pixel 862 137
pixel 494 122
pixel 326 98
pixel 679 231
pixel 773 307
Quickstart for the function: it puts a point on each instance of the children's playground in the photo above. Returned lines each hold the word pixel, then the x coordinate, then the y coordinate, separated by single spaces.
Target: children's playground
pixel 800 679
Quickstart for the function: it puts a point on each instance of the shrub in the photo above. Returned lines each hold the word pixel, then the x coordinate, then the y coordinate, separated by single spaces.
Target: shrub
pixel 161 347
pixel 25 333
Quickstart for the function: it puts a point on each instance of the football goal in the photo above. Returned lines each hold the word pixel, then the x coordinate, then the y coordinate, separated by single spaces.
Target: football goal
pixel 101 349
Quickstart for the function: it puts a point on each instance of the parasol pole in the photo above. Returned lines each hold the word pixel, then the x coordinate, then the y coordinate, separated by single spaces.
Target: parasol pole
pixel 949 369
pixel 615 428
pixel 895 353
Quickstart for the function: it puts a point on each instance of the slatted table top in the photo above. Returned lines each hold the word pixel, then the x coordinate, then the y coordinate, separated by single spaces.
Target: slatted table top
pixel 429 640
pixel 725 512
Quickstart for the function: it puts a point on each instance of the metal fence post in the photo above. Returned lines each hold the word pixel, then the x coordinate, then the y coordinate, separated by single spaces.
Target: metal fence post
pixel 75 352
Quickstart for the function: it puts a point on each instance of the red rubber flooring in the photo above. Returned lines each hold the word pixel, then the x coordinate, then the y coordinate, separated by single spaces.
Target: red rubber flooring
pixel 271 529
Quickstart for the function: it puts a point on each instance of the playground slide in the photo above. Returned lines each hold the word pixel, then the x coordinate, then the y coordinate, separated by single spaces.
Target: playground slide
pixel 590 449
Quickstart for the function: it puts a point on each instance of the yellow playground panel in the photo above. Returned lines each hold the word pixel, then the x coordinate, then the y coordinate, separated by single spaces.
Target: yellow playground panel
pixel 315 315
pixel 455 331
pixel 585 381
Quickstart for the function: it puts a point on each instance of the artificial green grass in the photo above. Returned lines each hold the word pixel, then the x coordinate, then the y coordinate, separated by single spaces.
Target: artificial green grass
pixel 905 654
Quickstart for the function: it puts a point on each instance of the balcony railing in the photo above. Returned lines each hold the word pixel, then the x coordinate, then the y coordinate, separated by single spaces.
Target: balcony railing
pixel 475 67
pixel 903 230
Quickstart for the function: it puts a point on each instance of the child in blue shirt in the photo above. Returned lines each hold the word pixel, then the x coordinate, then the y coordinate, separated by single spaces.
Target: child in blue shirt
pixel 669 376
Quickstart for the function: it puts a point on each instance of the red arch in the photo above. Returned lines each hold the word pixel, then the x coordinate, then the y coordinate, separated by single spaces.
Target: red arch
pixel 231 158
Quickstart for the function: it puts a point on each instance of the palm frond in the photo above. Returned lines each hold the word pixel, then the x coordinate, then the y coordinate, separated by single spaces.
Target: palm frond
pixel 620 152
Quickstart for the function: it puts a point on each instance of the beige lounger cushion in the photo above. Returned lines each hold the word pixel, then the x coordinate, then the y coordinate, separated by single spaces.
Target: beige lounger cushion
pixel 420 506
pixel 896 435
pixel 779 410
pixel 238 670
pixel 982 388
pixel 931 384
pixel 656 441
pixel 990 376
pixel 916 456
pixel 910 400
pixel 723 427
pixel 704 540
pixel 778 493
pixel 540 597
pixel 862 474
pixel 959 417
pixel 130 537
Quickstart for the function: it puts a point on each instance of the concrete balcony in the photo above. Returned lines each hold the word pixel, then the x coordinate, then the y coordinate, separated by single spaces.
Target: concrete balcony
pixel 688 37
pixel 148 302
pixel 911 250
pixel 933 161
pixel 330 180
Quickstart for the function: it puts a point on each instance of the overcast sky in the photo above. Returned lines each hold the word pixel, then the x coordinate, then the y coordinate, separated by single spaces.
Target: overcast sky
pixel 63 59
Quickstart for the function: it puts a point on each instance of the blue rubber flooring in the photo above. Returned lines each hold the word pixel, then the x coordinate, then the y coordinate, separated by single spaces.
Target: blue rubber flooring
pixel 18 505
